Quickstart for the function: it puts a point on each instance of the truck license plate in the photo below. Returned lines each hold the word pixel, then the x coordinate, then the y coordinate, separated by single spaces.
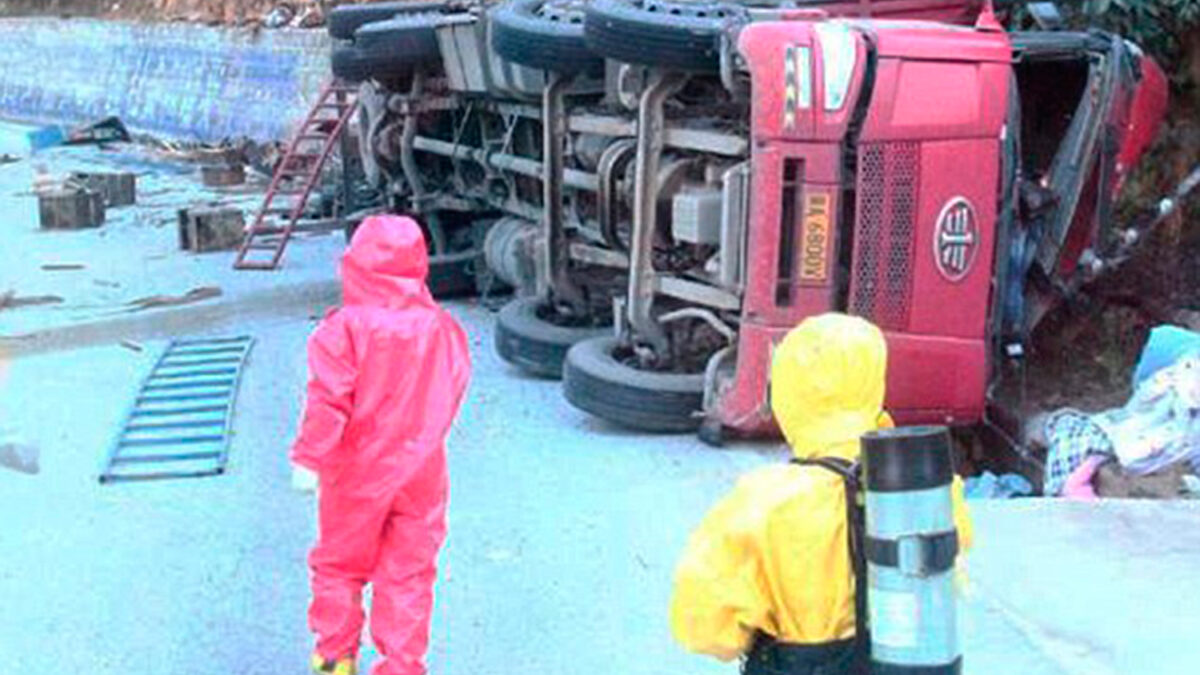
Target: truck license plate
pixel 814 264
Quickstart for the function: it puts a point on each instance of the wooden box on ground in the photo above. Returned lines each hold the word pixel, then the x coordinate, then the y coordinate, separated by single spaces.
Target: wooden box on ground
pixel 70 209
pixel 119 189
pixel 223 175
pixel 207 228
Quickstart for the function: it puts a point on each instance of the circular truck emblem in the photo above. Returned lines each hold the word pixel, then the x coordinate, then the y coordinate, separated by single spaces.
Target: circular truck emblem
pixel 956 239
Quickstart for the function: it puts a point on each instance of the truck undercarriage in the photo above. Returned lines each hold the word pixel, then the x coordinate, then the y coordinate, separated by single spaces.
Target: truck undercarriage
pixel 670 186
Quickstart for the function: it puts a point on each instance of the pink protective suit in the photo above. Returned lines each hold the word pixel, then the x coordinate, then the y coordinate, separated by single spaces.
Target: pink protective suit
pixel 387 373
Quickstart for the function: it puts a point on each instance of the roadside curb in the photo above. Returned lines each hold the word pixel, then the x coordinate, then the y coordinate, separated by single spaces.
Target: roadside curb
pixel 166 323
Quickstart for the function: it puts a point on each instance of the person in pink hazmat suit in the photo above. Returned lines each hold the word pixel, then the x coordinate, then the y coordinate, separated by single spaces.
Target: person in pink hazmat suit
pixel 387 374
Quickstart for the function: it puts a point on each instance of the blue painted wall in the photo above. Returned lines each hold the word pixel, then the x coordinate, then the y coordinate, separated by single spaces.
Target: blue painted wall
pixel 173 80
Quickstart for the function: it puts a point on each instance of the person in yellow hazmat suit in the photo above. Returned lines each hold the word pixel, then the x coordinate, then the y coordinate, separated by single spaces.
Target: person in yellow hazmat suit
pixel 768 572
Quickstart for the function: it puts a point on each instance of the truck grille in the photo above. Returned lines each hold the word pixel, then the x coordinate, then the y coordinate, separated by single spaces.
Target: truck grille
pixel 884 234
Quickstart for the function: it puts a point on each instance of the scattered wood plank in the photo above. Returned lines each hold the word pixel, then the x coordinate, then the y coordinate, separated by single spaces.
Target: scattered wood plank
pixel 10 300
pixel 131 345
pixel 194 295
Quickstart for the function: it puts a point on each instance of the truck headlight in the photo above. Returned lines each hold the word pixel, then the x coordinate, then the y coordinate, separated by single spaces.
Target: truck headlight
pixel 839 52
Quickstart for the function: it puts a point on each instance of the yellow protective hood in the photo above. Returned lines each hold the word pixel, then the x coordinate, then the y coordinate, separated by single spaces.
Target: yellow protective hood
pixel 773 555
pixel 827 385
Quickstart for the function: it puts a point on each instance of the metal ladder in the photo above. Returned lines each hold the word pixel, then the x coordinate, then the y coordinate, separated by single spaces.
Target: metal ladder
pixel 295 177
pixel 179 424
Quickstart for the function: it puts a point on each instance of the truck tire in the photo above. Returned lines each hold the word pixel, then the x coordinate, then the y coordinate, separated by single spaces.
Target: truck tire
pixel 537 346
pixel 596 382
pixel 346 19
pixel 542 34
pixel 348 63
pixel 408 38
pixel 661 33
pixel 386 49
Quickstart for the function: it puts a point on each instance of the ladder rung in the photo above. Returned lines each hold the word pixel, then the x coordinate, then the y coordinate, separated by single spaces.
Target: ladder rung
pixel 181 397
pixel 200 350
pixel 170 363
pixel 172 440
pixel 158 475
pixel 198 384
pixel 181 345
pixel 164 412
pixel 312 137
pixel 256 264
pixel 193 373
pixel 175 425
pixel 181 457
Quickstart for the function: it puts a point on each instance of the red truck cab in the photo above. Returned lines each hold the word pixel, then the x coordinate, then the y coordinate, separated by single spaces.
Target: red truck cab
pixel 884 172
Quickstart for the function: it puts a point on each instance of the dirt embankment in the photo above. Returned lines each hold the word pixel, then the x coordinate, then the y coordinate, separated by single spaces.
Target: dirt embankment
pixel 1083 354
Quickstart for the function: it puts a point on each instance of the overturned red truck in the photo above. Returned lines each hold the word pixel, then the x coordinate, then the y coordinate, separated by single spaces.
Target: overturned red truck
pixel 672 185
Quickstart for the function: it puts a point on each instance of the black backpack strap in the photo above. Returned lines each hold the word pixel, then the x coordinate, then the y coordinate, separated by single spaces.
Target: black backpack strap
pixel 856 533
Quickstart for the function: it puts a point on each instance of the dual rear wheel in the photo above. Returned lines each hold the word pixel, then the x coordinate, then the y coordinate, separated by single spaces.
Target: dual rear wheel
pixel 597 373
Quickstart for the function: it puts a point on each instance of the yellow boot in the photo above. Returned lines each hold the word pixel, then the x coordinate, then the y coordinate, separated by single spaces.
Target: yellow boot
pixel 343 666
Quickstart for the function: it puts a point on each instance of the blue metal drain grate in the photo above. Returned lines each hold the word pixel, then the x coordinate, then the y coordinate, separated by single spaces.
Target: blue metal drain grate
pixel 179 425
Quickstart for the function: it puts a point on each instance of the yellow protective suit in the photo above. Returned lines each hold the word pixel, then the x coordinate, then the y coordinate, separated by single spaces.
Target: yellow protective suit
pixel 773 554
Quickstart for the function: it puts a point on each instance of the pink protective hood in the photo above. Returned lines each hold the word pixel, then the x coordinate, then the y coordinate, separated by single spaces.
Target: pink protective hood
pixel 386 265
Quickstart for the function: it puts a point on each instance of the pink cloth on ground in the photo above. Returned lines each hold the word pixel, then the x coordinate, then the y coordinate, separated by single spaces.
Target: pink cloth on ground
pixel 1079 484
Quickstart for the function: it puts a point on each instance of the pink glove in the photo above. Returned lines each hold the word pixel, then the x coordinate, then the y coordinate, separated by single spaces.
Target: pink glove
pixel 304 480
pixel 1079 483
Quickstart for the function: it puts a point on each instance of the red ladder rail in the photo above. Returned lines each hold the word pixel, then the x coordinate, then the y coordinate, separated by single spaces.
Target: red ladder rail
pixel 263 245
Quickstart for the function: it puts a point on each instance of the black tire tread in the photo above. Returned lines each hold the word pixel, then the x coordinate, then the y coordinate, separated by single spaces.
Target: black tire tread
pixel 344 20
pixel 619 30
pixel 658 402
pixel 387 49
pixel 409 38
pixel 536 346
pixel 351 64
pixel 521 36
